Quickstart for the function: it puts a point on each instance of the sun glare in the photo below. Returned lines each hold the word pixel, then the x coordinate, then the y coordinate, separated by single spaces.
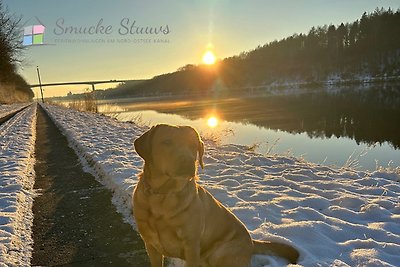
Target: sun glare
pixel 209 58
pixel 212 122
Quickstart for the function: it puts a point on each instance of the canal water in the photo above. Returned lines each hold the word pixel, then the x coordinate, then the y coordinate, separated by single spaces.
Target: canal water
pixel 358 128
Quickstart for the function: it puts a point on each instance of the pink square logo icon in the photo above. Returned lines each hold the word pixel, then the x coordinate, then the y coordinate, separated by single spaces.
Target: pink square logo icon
pixel 38 29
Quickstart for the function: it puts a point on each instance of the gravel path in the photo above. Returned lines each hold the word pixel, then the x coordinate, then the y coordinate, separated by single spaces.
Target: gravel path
pixel 75 223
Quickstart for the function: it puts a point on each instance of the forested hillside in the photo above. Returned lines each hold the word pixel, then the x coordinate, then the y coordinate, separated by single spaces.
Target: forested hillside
pixel 361 50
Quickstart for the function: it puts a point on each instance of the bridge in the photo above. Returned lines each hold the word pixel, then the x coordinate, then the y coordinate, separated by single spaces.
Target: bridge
pixel 92 83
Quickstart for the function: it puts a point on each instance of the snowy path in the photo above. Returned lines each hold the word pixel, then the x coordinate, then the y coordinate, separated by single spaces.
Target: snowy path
pixel 17 140
pixel 75 222
pixel 334 217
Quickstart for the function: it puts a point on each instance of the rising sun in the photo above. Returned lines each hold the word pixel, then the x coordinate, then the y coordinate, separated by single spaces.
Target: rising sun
pixel 209 58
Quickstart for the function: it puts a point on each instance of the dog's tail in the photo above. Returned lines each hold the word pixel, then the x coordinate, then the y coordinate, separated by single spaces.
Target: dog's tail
pixel 276 249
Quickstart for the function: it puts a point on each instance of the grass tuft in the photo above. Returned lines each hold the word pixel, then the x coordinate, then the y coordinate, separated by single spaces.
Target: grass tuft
pixel 88 103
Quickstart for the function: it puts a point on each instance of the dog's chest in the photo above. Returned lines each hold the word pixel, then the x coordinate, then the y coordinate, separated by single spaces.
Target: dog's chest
pixel 166 239
pixel 163 206
pixel 163 226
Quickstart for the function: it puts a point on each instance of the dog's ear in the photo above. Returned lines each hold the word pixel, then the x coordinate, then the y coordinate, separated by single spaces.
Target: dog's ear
pixel 200 144
pixel 201 152
pixel 200 147
pixel 143 144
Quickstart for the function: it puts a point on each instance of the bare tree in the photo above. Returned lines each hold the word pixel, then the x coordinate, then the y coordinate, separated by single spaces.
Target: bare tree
pixel 10 41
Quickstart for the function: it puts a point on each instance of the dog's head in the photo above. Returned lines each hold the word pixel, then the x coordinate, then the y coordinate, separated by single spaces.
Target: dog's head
pixel 171 150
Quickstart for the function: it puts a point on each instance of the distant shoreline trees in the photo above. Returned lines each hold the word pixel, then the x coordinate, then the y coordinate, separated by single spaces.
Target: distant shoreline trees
pixel 367 47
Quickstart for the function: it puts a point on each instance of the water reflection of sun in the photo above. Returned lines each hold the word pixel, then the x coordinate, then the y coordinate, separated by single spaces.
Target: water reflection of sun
pixel 212 122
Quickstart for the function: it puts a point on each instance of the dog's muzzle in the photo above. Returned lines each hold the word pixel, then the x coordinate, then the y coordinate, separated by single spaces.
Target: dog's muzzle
pixel 186 166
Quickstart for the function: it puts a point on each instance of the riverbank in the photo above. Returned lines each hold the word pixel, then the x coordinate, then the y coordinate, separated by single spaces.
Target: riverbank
pixel 339 217
pixel 343 217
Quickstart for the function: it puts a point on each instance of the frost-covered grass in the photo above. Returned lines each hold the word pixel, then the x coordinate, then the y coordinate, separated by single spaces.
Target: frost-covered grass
pixel 335 217
pixel 17 143
pixel 87 103
pixel 8 109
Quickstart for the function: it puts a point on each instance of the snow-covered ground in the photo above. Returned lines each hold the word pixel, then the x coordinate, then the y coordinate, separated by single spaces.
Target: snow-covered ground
pixel 8 109
pixel 17 143
pixel 334 217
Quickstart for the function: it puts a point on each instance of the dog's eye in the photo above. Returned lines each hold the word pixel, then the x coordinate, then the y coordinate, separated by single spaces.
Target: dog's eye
pixel 167 142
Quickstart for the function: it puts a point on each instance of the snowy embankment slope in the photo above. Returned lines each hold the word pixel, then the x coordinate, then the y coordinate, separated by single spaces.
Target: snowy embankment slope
pixel 334 217
pixel 8 109
pixel 17 144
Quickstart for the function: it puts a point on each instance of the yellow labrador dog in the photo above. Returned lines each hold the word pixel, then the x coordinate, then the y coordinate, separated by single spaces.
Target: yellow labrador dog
pixel 177 217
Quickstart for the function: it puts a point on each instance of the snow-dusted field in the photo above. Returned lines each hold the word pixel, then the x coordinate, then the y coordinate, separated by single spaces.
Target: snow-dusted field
pixel 334 217
pixel 17 143
pixel 8 109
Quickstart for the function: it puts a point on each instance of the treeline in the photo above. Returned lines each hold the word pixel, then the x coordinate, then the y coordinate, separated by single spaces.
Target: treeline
pixel 367 47
pixel 13 88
